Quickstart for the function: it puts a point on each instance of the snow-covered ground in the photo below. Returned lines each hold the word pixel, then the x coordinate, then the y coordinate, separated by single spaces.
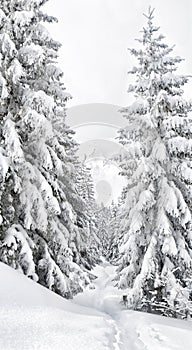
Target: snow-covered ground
pixel 32 317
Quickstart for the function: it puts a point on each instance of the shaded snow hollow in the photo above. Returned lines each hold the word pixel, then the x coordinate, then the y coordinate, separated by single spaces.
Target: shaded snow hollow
pixel 33 317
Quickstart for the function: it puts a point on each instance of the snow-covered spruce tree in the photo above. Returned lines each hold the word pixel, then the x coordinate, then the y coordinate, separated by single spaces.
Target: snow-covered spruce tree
pixel 16 245
pixel 37 173
pixel 113 239
pixel 104 229
pixel 156 261
pixel 86 210
pixel 117 217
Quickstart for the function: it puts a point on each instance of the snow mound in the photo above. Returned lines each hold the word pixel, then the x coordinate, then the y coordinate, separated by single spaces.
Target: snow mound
pixel 32 317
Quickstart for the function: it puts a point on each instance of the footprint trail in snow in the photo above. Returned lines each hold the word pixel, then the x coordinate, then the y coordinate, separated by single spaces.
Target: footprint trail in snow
pixel 131 330
pixel 103 298
pixel 32 317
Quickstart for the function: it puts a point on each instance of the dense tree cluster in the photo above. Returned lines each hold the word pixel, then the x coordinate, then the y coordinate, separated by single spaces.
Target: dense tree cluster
pixel 52 230
pixel 45 225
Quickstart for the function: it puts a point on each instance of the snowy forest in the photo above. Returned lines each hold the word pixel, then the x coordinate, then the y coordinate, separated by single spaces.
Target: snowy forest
pixel 52 229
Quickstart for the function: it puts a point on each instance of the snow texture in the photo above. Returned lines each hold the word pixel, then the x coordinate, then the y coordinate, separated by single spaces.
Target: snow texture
pixel 33 317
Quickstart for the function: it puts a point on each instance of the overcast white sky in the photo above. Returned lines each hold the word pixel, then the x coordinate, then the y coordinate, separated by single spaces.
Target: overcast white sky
pixel 95 35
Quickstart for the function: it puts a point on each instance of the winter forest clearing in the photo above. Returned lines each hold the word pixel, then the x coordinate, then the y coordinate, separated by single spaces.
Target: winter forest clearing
pixel 121 253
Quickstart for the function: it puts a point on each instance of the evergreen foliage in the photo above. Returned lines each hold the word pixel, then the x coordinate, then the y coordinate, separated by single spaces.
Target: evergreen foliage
pixel 87 217
pixel 40 230
pixel 156 248
pixel 104 229
pixel 115 224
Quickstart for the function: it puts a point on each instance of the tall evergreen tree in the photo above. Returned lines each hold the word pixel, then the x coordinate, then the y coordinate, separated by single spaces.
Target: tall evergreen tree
pixel 116 232
pixel 87 217
pixel 38 190
pixel 104 231
pixel 156 261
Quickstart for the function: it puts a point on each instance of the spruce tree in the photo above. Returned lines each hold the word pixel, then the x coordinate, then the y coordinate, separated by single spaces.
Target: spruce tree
pixel 117 218
pixel 38 190
pixel 156 250
pixel 104 229
pixel 87 218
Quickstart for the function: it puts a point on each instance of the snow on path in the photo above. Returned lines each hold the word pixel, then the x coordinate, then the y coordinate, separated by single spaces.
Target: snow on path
pixel 105 298
pixel 132 330
pixel 34 318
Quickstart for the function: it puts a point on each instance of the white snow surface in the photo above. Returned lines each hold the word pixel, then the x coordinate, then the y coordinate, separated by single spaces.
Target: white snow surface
pixel 32 317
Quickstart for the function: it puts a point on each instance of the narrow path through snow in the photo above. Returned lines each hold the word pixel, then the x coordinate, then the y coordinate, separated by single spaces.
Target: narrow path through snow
pixel 131 330
pixel 104 297
pixel 34 318
pixel 116 343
